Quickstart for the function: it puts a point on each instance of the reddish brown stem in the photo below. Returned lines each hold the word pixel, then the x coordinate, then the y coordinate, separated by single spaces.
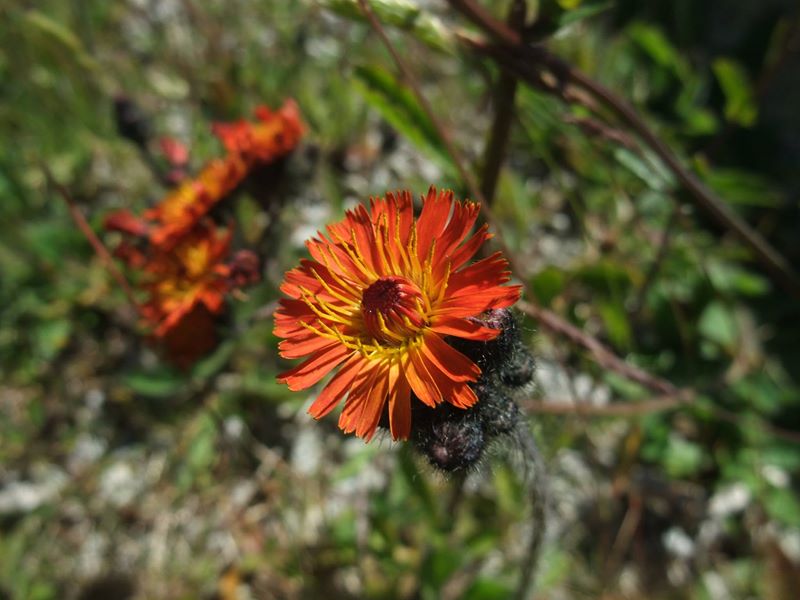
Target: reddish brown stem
pixel 98 246
pixel 602 355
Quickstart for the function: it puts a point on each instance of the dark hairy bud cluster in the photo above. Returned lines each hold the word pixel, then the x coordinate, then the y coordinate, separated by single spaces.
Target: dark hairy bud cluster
pixel 454 439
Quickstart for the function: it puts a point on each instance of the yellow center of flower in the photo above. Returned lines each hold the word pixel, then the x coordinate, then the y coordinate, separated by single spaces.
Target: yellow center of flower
pixel 392 310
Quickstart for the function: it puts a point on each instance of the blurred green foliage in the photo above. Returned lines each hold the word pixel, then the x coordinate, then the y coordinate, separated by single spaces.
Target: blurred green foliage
pixel 113 461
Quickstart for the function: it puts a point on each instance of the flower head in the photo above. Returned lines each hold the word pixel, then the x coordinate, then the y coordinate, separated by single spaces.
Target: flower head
pixel 190 274
pixel 272 135
pixel 185 285
pixel 249 145
pixel 383 292
pixel 184 206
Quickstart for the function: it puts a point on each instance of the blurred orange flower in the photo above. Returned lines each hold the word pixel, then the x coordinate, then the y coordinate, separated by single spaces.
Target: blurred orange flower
pixel 249 145
pixel 178 212
pixel 190 274
pixel 271 136
pixel 379 298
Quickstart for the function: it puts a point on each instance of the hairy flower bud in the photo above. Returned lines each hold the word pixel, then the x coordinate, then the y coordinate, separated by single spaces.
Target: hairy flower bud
pixel 454 439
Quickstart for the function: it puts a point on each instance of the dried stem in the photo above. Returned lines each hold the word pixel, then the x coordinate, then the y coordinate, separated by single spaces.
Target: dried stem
pixel 616 409
pixel 666 402
pixel 528 62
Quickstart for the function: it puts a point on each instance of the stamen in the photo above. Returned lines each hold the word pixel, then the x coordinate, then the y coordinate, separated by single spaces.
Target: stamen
pixel 390 309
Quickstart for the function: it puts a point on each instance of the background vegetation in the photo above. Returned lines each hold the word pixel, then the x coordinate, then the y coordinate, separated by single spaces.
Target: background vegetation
pixel 121 476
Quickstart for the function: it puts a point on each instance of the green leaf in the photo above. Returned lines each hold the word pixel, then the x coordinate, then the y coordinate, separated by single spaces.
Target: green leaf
pixel 547 284
pixel 644 166
pixel 214 362
pixel 200 454
pixel 484 588
pixel 616 322
pixel 604 276
pixel 443 562
pixel 655 44
pixel 682 458
pixel 744 189
pixel 782 505
pixel 730 278
pixel 59 36
pixel 581 11
pixel 51 337
pixel 400 108
pixel 157 383
pixel 718 324
pixel 740 102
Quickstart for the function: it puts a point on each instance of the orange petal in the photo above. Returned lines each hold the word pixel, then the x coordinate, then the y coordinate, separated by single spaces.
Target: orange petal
pixel 297 347
pixel 469 248
pixel 400 408
pixel 448 360
pixel 373 407
pixel 464 328
pixel 478 302
pixel 420 380
pixel 337 387
pixel 488 272
pixel 315 368
pixel 360 396
pixel 432 219
pixel 462 396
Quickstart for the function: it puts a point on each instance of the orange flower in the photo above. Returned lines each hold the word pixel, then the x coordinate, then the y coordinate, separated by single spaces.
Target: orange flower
pixel 273 135
pixel 188 275
pixel 249 145
pixel 178 212
pixel 379 298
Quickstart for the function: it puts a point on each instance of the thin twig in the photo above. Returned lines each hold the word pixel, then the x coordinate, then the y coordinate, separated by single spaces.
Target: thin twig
pixel 602 355
pixel 527 62
pixel 615 409
pixel 98 246
pixel 667 402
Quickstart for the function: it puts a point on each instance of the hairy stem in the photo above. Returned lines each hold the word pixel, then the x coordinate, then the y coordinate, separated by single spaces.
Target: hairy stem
pixel 535 477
